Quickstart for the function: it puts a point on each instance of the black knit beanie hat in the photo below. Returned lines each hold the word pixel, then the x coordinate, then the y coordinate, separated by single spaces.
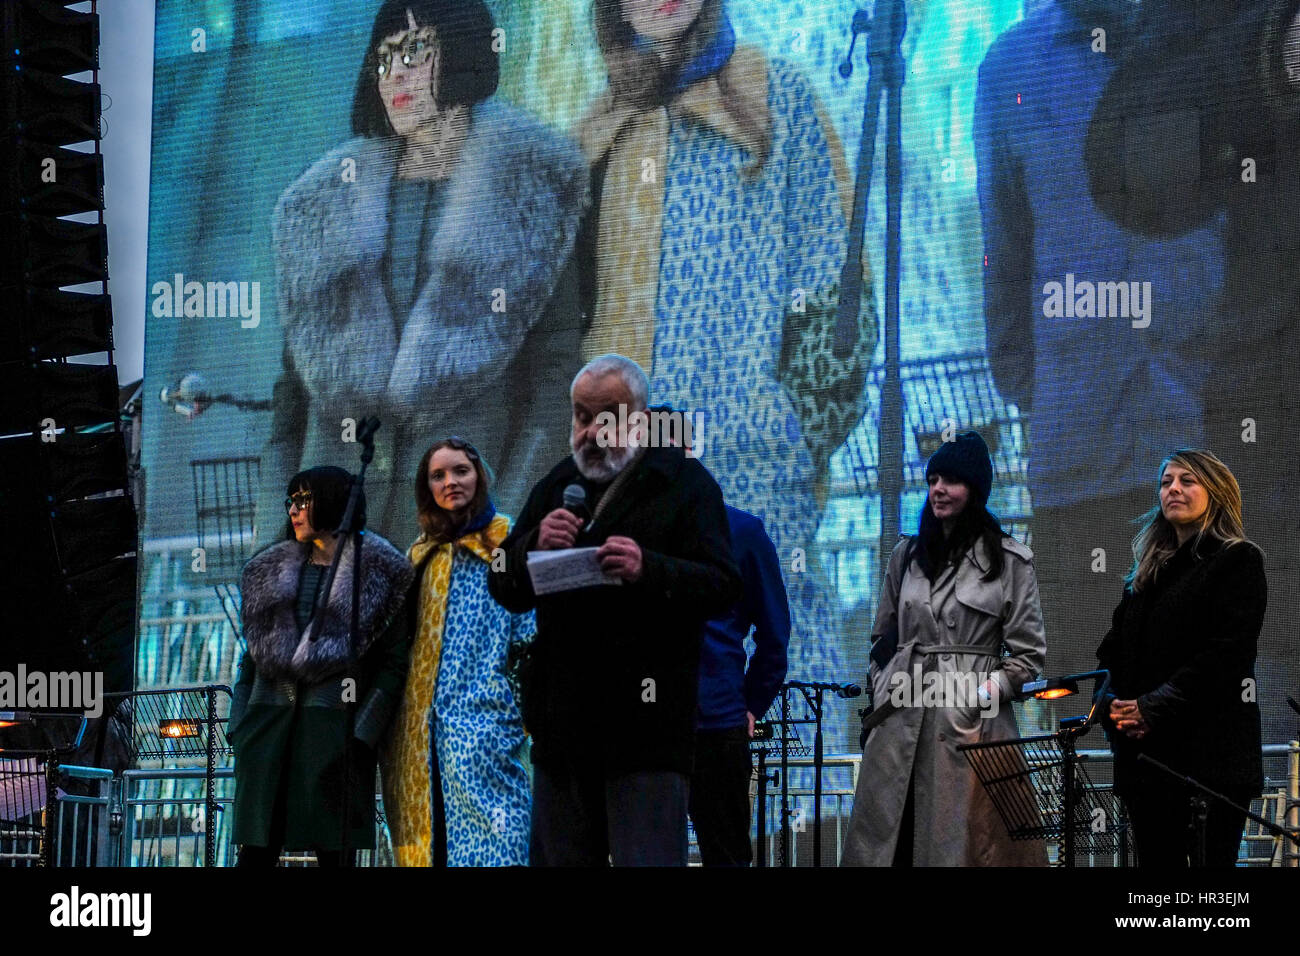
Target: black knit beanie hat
pixel 966 458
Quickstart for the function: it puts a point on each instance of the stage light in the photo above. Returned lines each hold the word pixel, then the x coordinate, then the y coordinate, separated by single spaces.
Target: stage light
pixel 1051 689
pixel 21 740
pixel 1054 688
pixel 180 729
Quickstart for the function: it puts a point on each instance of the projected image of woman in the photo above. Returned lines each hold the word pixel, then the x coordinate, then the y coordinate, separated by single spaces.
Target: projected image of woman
pixel 1181 653
pixel 427 257
pixel 717 238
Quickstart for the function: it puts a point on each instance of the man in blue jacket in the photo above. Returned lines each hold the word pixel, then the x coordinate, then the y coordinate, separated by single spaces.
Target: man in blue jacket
pixel 731 696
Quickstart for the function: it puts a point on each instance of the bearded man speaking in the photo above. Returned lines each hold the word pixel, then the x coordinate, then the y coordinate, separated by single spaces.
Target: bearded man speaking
pixel 609 693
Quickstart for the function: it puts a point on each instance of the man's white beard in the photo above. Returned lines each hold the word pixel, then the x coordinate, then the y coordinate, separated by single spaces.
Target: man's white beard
pixel 601 464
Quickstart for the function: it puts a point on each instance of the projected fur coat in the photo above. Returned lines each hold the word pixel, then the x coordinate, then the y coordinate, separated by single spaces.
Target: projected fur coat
pixel 486 352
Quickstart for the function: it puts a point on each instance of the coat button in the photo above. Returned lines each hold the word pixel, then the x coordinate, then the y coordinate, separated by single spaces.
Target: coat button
pixel 942 737
pixel 951 622
pixel 907 604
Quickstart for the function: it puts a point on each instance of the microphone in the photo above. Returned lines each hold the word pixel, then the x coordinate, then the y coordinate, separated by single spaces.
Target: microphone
pixel 366 430
pixel 575 500
pixel 861 24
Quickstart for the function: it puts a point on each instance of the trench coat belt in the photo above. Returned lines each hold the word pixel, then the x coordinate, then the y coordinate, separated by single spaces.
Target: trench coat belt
pixel 979 650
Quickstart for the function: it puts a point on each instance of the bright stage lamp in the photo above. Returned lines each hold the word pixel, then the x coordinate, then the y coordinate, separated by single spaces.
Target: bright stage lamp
pixel 179 729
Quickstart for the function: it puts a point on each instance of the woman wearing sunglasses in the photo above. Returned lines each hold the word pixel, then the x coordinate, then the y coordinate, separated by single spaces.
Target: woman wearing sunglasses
pixel 456 790
pixel 427 255
pixel 303 697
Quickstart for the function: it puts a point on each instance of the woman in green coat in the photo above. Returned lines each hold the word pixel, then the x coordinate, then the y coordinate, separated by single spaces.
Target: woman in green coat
pixel 296 704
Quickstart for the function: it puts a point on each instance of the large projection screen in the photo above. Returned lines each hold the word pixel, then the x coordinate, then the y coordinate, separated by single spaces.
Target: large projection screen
pixel 1098 266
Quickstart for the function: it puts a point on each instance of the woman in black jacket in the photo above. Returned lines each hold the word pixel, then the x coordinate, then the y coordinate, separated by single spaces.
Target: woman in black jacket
pixel 1181 652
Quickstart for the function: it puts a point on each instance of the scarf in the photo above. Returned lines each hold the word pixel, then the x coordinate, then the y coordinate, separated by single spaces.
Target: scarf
pixel 407 756
pixel 270 596
pixel 635 140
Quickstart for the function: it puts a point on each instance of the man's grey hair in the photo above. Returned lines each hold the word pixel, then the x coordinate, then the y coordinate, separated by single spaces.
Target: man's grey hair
pixel 630 372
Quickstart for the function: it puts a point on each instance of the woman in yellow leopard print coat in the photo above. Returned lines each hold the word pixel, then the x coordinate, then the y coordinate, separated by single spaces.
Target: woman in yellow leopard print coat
pixel 456 788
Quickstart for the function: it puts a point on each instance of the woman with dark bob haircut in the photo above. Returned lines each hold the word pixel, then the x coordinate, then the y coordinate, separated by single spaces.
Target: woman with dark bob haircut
pixel 291 721
pixel 429 255
pixel 456 790
pixel 467 68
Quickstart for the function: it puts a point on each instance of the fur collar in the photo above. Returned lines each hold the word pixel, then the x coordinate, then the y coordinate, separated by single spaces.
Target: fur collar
pixel 270 597
pixel 509 220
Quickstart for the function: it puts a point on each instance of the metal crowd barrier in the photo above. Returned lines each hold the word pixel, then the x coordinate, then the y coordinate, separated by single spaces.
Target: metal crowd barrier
pixel 157 817
pixel 1279 802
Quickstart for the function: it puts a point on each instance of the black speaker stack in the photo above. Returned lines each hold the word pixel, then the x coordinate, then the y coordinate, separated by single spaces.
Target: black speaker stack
pixel 67 522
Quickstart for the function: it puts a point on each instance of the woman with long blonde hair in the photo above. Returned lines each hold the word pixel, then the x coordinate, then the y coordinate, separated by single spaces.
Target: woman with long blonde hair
pixel 1181 652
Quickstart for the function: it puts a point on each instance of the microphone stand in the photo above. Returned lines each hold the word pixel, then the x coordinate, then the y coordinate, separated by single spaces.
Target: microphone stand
pixel 760 823
pixel 785 778
pixel 812 694
pixel 1200 802
pixel 887 71
pixel 349 526
pixel 814 699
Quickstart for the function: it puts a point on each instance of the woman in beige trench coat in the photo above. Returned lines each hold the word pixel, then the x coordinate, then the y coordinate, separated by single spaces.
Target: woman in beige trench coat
pixel 958 631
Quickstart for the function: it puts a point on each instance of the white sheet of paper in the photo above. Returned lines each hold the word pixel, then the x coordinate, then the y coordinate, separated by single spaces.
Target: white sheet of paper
pixel 566 569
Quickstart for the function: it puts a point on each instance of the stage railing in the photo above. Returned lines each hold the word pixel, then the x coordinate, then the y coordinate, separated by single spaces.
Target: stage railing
pixel 155 817
pixel 164 818
pixel 1281 795
pixel 87 830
